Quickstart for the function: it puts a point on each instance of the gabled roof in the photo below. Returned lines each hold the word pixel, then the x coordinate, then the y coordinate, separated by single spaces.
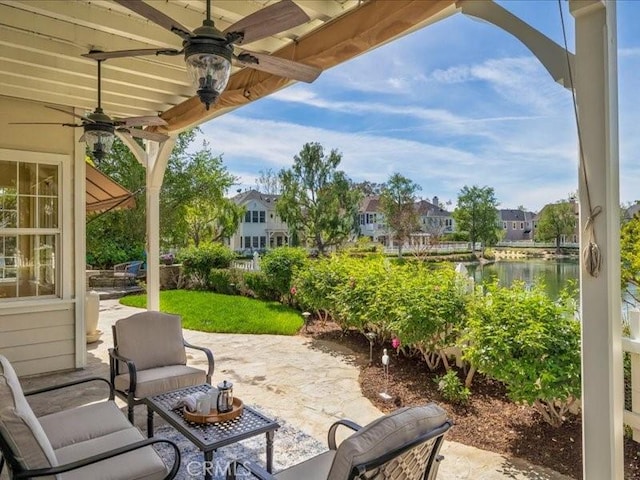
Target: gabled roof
pixel 428 209
pixel 511 215
pixel 245 197
pixel 370 204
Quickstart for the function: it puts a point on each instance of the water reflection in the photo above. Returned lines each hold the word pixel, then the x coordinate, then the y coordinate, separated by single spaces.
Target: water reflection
pixel 556 274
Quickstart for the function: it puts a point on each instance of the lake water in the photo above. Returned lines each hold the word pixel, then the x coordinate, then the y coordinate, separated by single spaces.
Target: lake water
pixel 556 274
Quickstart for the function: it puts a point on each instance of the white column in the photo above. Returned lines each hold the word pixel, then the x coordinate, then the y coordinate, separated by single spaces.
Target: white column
pixel 157 157
pixel 602 381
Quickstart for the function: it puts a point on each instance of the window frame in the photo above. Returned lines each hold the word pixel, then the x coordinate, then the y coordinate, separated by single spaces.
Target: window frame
pixel 61 162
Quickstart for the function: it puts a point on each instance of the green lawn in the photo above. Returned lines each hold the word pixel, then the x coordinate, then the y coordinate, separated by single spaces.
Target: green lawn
pixel 213 312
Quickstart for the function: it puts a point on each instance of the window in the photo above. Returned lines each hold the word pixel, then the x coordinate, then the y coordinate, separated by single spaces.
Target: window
pixel 247 242
pixel 263 242
pixel 29 229
pixel 513 225
pixel 254 216
pixel 279 241
pixel 255 242
pixel 521 225
pixel 263 215
pixel 247 216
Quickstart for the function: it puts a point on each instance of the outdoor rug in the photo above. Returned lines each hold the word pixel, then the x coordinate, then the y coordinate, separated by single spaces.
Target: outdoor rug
pixel 290 447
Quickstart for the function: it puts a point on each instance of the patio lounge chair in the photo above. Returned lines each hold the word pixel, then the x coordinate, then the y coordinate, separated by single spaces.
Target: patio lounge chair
pixel 91 441
pixel 148 358
pixel 403 445
pixel 127 272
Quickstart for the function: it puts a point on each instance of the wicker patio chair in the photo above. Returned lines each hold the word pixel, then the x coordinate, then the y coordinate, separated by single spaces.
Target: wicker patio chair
pixel 148 358
pixel 403 445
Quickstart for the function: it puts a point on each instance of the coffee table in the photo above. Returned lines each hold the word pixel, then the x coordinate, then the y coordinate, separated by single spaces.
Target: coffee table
pixel 209 437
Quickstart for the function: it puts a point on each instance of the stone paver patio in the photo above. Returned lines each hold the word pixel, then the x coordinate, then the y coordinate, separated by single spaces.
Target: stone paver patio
pixel 292 377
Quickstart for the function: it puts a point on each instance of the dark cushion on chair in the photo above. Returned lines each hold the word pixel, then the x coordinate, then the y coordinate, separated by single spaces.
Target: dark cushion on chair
pixel 384 435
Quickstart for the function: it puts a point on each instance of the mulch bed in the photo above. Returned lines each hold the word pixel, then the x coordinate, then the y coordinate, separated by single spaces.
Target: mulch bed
pixel 489 421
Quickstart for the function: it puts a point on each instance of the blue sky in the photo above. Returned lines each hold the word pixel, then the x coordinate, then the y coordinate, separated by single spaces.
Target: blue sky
pixel 457 103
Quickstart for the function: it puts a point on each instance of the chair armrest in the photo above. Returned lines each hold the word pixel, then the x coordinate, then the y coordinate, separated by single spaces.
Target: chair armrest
pixel 253 468
pixel 209 355
pixel 332 431
pixel 43 472
pixel 114 357
pixel 69 384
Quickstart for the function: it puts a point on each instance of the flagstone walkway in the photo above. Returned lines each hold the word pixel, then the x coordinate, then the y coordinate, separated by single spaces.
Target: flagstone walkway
pixel 292 377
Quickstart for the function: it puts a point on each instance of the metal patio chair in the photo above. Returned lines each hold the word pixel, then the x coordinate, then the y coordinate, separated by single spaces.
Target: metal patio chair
pixel 402 445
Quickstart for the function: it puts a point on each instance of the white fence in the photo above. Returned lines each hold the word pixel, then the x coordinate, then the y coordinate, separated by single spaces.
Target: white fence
pixel 532 244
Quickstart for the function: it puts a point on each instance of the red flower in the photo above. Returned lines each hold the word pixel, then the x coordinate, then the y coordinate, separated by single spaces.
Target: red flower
pixel 395 342
pixel 293 290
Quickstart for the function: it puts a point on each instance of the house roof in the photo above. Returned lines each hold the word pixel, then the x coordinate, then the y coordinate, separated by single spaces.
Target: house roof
pixel 428 209
pixel 511 215
pixel 370 204
pixel 245 197
pixel 41 43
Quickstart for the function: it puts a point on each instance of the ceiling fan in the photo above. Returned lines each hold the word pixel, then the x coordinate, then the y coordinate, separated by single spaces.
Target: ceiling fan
pixel 208 52
pixel 99 128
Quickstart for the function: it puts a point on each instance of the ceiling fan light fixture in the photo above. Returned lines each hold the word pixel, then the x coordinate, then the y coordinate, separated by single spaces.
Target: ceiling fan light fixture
pixel 99 139
pixel 208 61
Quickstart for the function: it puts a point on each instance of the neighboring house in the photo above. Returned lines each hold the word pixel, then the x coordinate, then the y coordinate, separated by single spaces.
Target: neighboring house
pixel 632 211
pixel 371 220
pixel 517 224
pixel 434 219
pixel 261 227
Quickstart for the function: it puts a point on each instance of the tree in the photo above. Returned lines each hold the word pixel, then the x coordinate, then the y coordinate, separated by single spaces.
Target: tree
pixel 477 214
pixel 194 199
pixel 556 220
pixel 317 200
pixel 268 182
pixel 369 188
pixel 630 257
pixel 398 206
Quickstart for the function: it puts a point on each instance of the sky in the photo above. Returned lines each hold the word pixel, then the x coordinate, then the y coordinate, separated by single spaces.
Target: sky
pixel 457 103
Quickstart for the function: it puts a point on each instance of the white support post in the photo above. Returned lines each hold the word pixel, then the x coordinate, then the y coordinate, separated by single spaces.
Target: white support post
pixel 634 322
pixel 157 157
pixel 154 159
pixel 595 81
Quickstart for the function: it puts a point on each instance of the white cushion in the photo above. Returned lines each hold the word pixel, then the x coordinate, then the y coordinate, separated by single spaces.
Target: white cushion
pixel 316 468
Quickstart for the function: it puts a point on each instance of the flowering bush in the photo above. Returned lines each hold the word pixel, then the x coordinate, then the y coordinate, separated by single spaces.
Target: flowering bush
pixel 167 258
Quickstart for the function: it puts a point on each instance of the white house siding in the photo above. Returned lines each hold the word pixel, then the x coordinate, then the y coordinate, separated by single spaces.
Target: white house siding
pixel 271 233
pixel 43 334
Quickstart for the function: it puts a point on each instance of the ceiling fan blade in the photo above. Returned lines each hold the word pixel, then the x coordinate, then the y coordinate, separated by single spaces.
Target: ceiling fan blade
pixel 156 16
pixel 273 19
pixel 81 117
pixel 131 53
pixel 136 132
pixel 45 123
pixel 140 121
pixel 279 66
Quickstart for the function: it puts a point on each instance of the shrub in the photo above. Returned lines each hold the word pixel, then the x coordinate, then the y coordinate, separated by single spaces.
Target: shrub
pixel 107 254
pixel 219 280
pixel 452 389
pixel 524 339
pixel 198 262
pixel 279 265
pixel 257 284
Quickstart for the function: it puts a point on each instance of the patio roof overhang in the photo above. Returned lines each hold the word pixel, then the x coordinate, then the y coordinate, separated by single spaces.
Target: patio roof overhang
pixel 41 43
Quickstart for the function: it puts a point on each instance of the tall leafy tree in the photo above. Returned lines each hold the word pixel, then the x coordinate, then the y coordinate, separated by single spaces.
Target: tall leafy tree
pixel 268 182
pixel 630 257
pixel 556 220
pixel 398 206
pixel 477 214
pixel 194 199
pixel 317 200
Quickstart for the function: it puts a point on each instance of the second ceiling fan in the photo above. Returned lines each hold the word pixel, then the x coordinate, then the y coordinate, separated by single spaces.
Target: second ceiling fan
pixel 208 52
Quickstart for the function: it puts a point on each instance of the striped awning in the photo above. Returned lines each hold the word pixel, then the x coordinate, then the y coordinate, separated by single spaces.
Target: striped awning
pixel 104 194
